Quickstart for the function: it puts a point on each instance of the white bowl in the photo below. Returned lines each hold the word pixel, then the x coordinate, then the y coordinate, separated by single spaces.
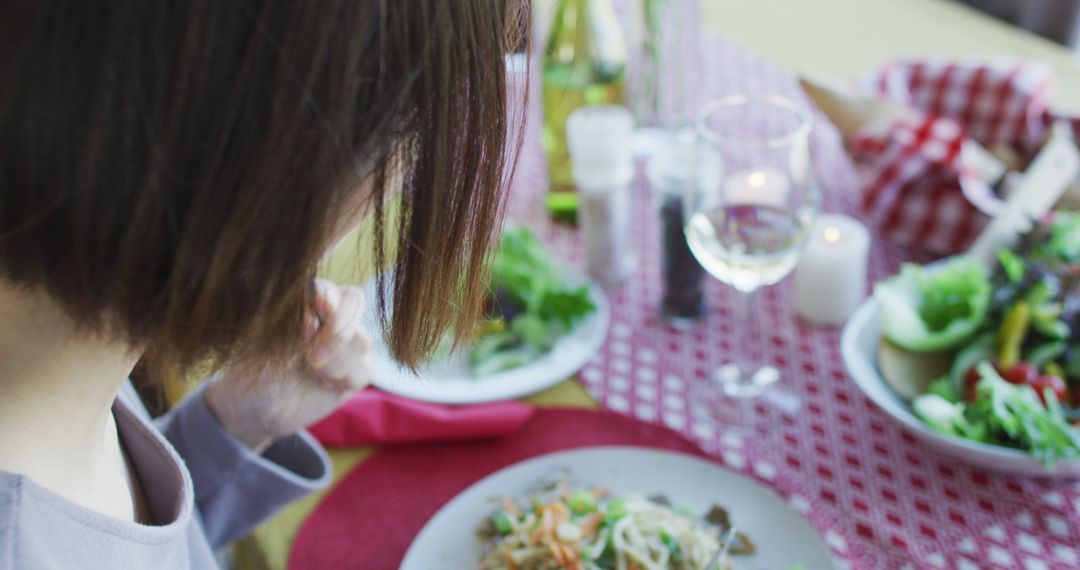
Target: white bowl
pixel 859 346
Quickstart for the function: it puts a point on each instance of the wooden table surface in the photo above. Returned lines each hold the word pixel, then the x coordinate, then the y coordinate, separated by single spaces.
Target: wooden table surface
pixel 841 38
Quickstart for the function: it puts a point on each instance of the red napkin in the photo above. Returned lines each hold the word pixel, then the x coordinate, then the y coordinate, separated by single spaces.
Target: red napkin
pixel 376 417
pixel 920 188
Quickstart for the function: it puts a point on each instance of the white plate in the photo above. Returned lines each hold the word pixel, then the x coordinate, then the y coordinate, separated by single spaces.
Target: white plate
pixel 859 346
pixel 451 381
pixel 783 538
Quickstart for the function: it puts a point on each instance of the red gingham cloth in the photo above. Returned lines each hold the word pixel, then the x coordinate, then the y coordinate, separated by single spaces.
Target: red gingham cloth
pixel 917 186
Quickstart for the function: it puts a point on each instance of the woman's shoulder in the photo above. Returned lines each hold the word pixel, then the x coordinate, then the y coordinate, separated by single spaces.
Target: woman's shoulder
pixel 42 529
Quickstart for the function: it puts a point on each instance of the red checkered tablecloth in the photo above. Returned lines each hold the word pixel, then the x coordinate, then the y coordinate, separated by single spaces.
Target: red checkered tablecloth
pixel 880 499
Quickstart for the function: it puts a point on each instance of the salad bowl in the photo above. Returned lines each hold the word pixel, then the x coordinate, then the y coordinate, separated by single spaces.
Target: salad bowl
pixel 979 354
pixel 859 346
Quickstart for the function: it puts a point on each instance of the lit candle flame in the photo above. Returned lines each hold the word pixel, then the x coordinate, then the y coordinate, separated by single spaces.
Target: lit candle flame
pixel 756 179
pixel 831 235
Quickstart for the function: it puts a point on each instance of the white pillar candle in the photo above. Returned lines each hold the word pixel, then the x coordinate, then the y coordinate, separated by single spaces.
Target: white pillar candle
pixel 830 280
pixel 765 186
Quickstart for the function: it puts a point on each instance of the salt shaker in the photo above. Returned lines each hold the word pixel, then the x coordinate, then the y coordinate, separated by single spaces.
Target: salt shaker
pixel 598 138
pixel 678 169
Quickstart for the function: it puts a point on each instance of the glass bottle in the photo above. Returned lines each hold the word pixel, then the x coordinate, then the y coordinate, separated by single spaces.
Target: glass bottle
pixel 664 79
pixel 584 63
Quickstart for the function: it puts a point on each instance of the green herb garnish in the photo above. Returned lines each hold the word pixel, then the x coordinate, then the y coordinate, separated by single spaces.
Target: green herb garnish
pixel 927 312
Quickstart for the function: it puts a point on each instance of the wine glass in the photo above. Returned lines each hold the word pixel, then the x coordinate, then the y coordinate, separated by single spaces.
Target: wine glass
pixel 747 230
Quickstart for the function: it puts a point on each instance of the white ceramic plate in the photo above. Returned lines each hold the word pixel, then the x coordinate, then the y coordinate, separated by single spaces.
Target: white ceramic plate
pixel 450 381
pixel 783 538
pixel 859 346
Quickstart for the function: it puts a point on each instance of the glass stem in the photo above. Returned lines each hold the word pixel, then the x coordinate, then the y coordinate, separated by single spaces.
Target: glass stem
pixel 747 337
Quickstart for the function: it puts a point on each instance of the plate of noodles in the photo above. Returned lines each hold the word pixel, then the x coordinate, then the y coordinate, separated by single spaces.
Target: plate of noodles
pixel 615 508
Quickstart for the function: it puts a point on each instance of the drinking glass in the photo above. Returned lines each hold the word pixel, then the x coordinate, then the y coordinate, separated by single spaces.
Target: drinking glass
pixel 747 230
pixel 664 79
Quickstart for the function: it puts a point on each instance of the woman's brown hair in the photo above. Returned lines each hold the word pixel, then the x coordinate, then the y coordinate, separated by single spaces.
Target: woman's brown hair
pixel 172 172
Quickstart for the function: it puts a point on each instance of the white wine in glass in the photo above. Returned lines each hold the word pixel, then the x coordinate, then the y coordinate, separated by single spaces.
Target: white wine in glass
pixel 747 246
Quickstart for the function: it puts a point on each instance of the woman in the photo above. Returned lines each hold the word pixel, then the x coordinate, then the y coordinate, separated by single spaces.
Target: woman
pixel 172 174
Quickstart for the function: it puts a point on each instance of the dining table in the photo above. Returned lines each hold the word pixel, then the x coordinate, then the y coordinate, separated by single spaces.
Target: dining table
pixel 878 497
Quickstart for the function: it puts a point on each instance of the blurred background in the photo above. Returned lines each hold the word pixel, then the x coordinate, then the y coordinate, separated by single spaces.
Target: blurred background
pixel 849 38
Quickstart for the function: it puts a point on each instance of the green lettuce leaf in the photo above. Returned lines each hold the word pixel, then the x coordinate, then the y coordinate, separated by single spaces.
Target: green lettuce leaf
pixel 1012 264
pixel 944 388
pixel 1064 239
pixel 524 268
pixel 1013 415
pixel 926 312
pixel 525 271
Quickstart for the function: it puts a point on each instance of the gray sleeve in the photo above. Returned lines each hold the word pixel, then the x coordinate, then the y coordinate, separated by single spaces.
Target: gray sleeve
pixel 235 489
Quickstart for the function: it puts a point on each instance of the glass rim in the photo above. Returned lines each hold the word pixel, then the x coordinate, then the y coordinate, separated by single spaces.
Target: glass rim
pixel 802 129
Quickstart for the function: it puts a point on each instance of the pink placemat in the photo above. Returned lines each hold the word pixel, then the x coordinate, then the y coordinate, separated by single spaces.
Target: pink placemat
pixel 880 499
pixel 368 521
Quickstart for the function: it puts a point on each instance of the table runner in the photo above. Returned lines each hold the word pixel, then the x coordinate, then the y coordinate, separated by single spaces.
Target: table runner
pixel 370 518
pixel 880 498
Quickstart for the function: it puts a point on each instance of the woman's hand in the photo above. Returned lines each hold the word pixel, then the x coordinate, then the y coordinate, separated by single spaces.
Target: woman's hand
pixel 259 405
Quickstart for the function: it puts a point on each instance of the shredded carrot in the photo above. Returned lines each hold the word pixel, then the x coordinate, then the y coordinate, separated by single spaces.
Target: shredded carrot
pixel 562 514
pixel 509 561
pixel 573 557
pixel 565 555
pixel 556 553
pixel 535 537
pixel 538 534
pixel 509 506
pixel 601 492
pixel 547 524
pixel 590 523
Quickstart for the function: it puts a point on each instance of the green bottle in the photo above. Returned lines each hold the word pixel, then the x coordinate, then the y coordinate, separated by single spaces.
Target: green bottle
pixel 584 64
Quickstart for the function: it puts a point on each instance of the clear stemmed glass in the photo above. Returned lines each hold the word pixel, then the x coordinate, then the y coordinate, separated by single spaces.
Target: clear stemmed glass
pixel 747 231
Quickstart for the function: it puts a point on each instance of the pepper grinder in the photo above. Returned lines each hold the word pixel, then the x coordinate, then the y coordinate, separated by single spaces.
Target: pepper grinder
pixel 676 172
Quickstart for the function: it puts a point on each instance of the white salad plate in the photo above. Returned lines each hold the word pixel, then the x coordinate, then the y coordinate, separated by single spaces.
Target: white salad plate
pixel 451 381
pixel 783 537
pixel 859 347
